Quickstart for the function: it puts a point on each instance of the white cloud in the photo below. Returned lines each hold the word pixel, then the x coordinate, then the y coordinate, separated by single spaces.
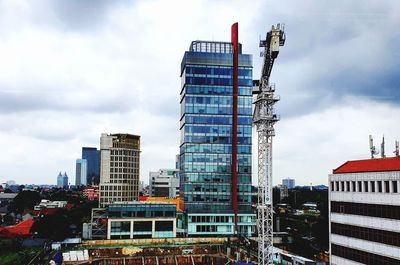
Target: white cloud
pixel 71 70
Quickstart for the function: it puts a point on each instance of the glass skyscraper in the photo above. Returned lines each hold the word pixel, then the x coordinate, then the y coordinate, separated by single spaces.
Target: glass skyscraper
pixel 206 139
pixel 92 156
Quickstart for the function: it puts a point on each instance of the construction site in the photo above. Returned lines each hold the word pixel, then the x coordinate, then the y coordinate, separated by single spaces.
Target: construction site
pixel 190 251
pixel 231 248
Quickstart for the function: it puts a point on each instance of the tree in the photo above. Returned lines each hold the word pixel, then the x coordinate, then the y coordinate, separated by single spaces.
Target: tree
pixel 54 226
pixel 24 200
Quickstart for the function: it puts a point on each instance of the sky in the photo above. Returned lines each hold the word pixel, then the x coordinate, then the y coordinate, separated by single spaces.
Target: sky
pixel 71 70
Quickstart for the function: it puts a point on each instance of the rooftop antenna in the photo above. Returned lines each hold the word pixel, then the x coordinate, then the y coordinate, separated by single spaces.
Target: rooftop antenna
pixel 383 147
pixel 396 150
pixel 372 147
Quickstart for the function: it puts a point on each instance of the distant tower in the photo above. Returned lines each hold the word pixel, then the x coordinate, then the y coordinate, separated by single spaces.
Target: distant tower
pixel 81 172
pixel 65 180
pixel 60 180
pixel 383 147
pixel 92 156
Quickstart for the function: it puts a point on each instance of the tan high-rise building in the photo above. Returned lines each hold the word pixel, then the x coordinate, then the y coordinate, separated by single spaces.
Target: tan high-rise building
pixel 119 169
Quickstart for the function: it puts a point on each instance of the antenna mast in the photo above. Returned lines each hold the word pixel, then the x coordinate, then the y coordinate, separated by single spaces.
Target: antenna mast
pixel 372 148
pixel 396 150
pixel 264 118
pixel 383 147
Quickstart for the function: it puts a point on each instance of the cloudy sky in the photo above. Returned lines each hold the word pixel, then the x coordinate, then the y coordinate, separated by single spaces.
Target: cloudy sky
pixel 72 69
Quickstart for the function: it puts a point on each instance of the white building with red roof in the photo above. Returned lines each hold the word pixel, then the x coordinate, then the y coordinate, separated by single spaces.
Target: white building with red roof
pixel 364 212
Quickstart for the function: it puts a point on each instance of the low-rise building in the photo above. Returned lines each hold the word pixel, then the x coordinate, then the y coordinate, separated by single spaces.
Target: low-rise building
pixel 91 193
pixel 141 220
pixel 50 204
pixel 364 211
pixel 164 183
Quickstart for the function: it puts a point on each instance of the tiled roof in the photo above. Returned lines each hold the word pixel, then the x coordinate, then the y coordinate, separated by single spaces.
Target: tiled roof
pixel 369 165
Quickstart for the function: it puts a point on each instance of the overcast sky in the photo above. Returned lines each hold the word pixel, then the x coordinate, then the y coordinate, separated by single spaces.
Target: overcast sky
pixel 72 69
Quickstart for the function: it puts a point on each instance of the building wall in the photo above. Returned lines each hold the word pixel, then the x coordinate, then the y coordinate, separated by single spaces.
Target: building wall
pixel 119 175
pixel 164 183
pixel 364 213
pixel 206 129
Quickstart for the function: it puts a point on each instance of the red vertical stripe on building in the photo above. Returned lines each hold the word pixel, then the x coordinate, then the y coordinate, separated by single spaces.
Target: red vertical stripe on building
pixel 234 40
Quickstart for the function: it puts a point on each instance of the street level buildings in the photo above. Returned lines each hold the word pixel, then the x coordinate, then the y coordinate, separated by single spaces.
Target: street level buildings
pixel 364 212
pixel 119 174
pixel 81 172
pixel 92 156
pixel 206 152
pixel 164 183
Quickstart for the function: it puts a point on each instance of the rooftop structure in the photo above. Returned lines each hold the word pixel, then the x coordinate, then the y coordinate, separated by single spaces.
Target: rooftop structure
pixel 50 204
pixel 369 165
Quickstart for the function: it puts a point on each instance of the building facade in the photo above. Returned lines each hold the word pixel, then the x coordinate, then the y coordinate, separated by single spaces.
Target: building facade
pixel 141 220
pixel 119 175
pixel 206 100
pixel 364 212
pixel 92 156
pixel 164 183
pixel 81 172
pixel 289 183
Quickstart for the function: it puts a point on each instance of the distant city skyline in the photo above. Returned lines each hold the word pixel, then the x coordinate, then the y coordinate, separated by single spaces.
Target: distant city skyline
pixel 71 70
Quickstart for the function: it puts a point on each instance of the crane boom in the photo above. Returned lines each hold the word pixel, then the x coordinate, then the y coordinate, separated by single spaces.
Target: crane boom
pixel 264 118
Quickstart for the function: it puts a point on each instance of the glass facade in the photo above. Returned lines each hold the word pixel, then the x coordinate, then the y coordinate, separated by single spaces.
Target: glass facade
pixel 141 220
pixel 206 132
pixel 92 156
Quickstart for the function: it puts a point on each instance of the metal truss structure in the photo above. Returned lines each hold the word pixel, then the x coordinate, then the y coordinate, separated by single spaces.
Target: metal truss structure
pixel 99 223
pixel 264 119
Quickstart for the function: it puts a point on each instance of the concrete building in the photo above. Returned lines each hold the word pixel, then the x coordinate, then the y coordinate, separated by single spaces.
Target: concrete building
pixel 50 204
pixel 217 196
pixel 92 156
pixel 141 220
pixel 164 183
pixel 119 174
pixel 283 191
pixel 364 211
pixel 81 172
pixel 289 183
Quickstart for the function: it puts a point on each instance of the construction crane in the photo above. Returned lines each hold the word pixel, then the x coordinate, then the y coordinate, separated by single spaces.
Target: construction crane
pixel 264 119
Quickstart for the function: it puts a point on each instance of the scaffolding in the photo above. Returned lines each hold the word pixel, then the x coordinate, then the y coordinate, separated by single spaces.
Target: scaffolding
pixel 99 223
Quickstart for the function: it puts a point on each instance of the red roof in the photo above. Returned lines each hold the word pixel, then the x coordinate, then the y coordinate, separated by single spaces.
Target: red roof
pixel 143 198
pixel 370 165
pixel 22 229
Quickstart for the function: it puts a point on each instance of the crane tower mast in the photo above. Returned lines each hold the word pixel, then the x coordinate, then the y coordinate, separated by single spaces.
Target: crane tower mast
pixel 264 119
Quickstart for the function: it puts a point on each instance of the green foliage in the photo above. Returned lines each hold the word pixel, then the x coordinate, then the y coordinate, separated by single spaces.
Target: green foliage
pixel 24 200
pixel 54 226
pixel 19 257
pixel 8 220
pixel 57 226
